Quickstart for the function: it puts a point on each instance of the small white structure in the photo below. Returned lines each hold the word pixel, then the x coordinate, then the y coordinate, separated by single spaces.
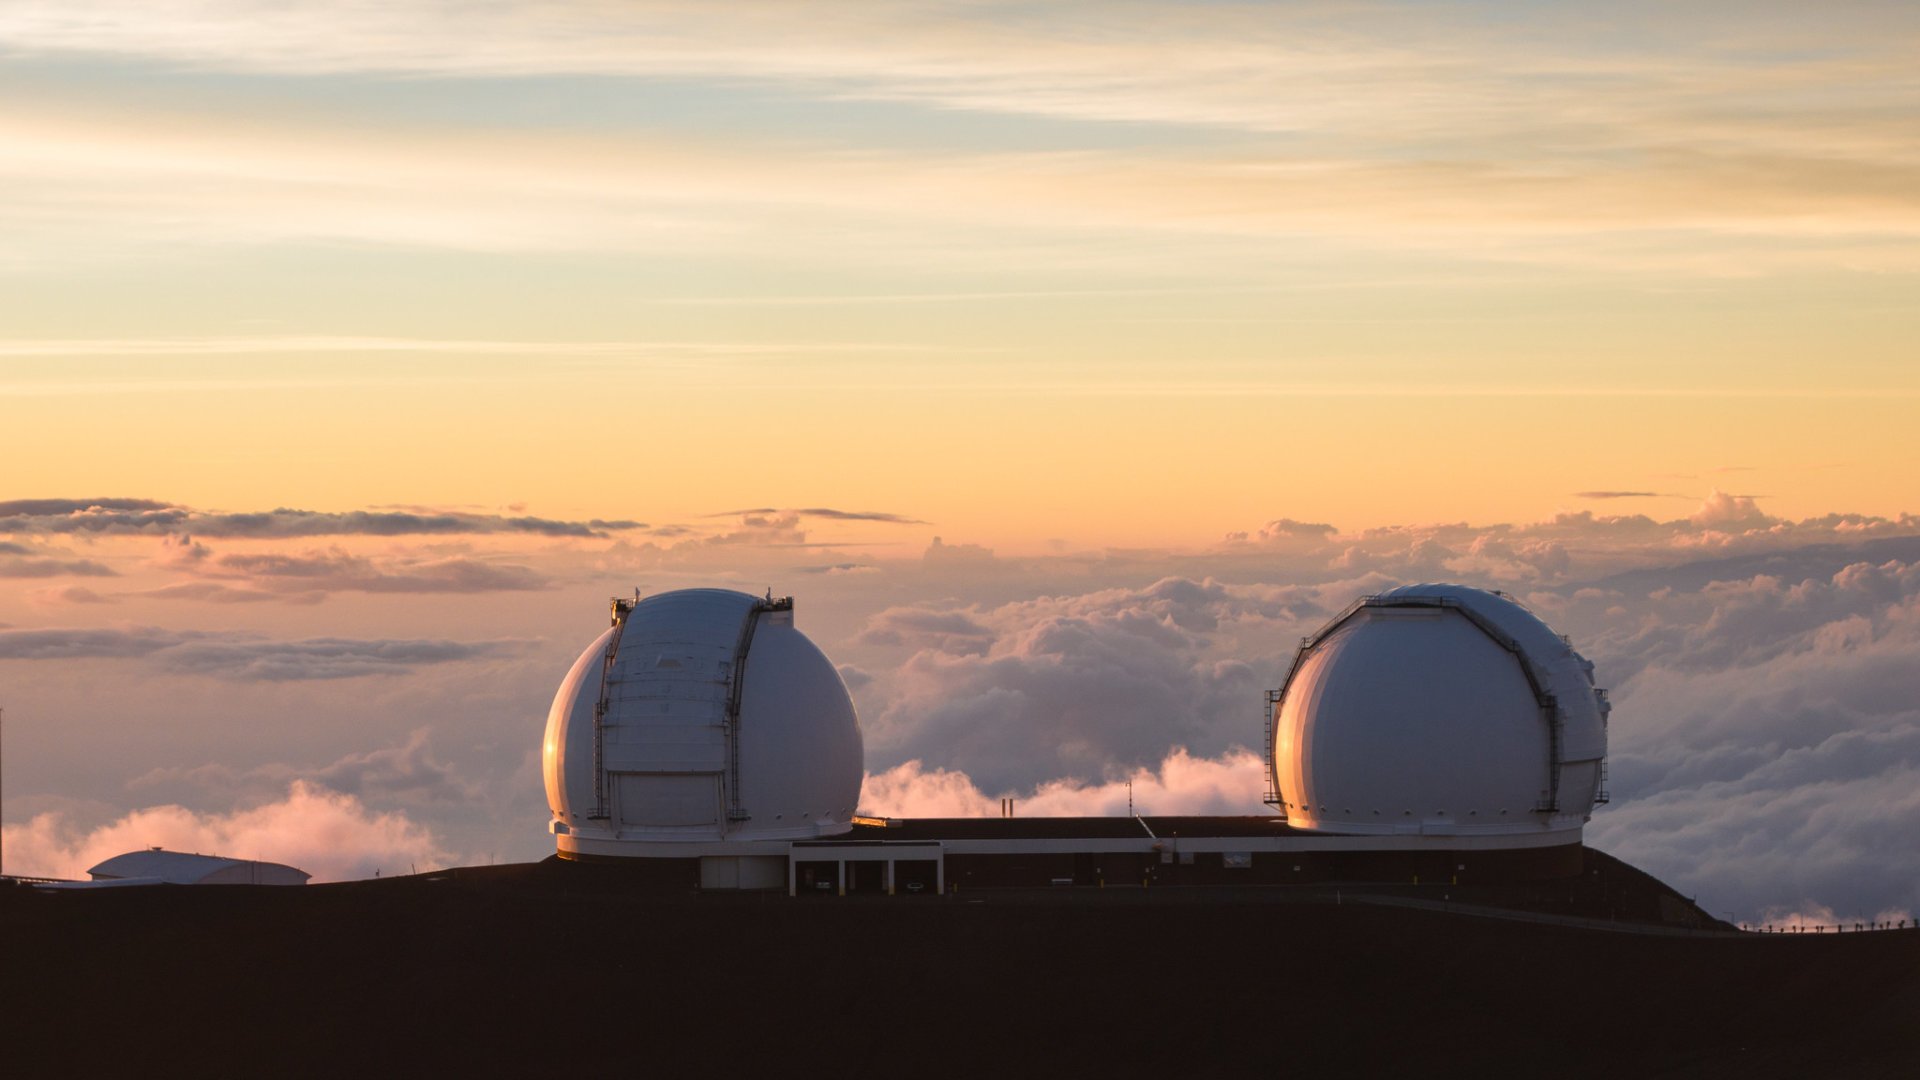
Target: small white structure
pixel 155 866
pixel 1438 710
pixel 702 723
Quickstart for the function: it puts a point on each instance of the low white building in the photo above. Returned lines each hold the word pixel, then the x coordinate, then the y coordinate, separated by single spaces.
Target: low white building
pixel 156 866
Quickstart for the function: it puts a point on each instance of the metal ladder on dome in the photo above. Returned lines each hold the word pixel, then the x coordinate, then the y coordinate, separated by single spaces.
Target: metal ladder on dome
pixel 1272 797
pixel 621 608
pixel 737 685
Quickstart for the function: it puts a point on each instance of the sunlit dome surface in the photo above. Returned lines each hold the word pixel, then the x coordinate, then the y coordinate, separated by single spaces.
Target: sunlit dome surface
pixel 1439 709
pixel 718 721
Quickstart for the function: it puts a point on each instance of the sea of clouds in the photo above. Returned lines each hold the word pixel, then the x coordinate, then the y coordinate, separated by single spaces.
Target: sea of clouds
pixel 1765 741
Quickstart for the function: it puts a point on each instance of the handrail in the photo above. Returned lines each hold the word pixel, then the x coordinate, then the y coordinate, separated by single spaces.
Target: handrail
pixel 737 686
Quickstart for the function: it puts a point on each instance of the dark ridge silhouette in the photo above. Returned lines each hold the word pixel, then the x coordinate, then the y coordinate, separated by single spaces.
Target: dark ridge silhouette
pixel 558 968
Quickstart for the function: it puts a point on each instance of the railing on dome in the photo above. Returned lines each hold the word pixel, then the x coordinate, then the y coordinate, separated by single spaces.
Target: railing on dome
pixel 1273 797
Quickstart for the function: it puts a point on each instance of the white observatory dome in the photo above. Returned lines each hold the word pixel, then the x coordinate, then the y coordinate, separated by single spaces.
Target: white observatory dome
pixel 700 715
pixel 1439 709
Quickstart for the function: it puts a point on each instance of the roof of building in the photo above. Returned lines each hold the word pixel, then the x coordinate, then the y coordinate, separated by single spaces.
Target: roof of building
pixel 1066 828
pixel 182 868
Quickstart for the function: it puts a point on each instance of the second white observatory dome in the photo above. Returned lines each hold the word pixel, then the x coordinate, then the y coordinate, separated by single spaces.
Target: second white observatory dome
pixel 701 715
pixel 1439 709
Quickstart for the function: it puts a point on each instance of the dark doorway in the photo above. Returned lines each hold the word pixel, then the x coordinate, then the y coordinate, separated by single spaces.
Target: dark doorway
pixel 816 879
pixel 916 877
pixel 866 877
pixel 1086 868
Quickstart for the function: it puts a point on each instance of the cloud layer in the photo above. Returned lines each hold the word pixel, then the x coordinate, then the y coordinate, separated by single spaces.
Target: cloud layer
pixel 1074 687
pixel 407 774
pixel 330 835
pixel 1765 738
pixel 240 576
pixel 1231 784
pixel 150 517
pixel 243 658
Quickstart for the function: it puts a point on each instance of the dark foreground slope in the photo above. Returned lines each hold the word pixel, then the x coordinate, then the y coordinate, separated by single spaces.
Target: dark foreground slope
pixel 547 970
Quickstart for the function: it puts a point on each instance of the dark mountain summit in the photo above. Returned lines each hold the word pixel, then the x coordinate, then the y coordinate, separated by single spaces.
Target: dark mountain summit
pixel 554 967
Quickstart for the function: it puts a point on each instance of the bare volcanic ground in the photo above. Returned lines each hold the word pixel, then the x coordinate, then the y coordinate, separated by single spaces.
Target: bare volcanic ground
pixel 556 969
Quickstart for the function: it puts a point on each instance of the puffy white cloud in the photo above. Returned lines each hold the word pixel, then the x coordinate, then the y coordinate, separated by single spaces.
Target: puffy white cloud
pixel 943 553
pixel 1722 510
pixel 1498 558
pixel 1232 783
pixel 1765 741
pixel 1285 530
pixel 1819 918
pixel 1571 547
pixel 328 834
pixel 1766 738
pixel 910 789
pixel 1072 687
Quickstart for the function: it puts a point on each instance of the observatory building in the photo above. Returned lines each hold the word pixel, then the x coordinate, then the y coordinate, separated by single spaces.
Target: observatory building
pixel 703 724
pixel 156 866
pixel 1433 730
pixel 1439 710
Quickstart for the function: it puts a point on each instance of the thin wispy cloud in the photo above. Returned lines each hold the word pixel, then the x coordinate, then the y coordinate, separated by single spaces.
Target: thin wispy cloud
pixel 45 568
pixel 408 772
pixel 321 345
pixel 334 570
pixel 148 517
pixel 58 596
pixel 1660 148
pixel 246 658
pixel 1242 66
pixel 827 513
